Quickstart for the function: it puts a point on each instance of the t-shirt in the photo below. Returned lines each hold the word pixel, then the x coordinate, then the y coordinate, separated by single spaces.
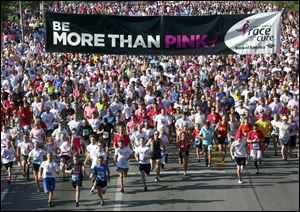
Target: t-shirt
pixel 48 118
pixel 240 148
pixel 123 155
pixel 283 130
pixel 8 155
pixel 48 169
pixel 245 129
pixel 76 173
pixel 258 135
pixel 125 138
pixel 214 118
pixel 86 131
pixel 65 148
pixel 37 155
pixel 74 127
pixel 101 172
pixel 208 134
pixel 144 153
pixel 265 126
pixel 162 122
pixel 95 155
pixel 37 133
pixel 25 147
pixel 222 130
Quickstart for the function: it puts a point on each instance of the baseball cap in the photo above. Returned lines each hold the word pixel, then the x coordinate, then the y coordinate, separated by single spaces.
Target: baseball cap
pixel 284 118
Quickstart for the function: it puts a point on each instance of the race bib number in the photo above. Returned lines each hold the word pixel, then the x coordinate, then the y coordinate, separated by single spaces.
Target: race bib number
pixel 85 132
pixel 197 142
pixel 100 175
pixel 48 174
pixel 256 146
pixel 75 177
pixel 105 134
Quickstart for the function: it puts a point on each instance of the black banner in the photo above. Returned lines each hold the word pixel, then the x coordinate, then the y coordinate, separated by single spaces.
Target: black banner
pixel 162 35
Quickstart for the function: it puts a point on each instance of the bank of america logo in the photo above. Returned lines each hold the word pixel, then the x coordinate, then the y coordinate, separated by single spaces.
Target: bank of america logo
pixel 270 45
pixel 244 28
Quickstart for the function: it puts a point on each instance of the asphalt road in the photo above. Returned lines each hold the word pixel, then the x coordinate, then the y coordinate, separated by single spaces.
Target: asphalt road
pixel 276 188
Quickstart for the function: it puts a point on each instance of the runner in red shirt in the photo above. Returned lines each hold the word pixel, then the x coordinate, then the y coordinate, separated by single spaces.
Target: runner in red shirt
pixel 255 139
pixel 222 133
pixel 121 136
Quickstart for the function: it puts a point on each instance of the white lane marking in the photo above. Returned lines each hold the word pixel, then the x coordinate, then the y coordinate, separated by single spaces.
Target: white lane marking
pixel 118 197
pixel 4 193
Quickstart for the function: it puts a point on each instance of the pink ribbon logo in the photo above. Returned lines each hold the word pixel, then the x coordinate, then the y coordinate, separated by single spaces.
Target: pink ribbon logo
pixel 244 28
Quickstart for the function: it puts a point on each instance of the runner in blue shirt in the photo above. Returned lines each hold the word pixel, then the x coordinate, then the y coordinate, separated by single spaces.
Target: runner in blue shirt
pixel 207 134
pixel 102 175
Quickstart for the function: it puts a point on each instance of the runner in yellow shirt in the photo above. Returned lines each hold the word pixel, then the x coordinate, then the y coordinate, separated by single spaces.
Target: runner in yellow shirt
pixel 266 127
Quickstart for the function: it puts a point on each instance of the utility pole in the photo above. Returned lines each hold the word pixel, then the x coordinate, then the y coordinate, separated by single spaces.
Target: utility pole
pixel 21 20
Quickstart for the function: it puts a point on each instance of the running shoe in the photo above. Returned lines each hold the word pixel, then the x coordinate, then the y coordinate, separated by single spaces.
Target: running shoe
pixel 240 182
pixel 122 190
pixel 50 205
pixel 156 179
pixel 101 202
pixel 209 165
pixel 77 204
pixel 145 188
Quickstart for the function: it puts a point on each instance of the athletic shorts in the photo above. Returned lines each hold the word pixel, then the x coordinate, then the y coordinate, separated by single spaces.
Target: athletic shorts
pixel 292 142
pixel 256 153
pixel 207 147
pixel 8 165
pixel 156 157
pixel 267 140
pixel 119 169
pixel 24 157
pixel 101 184
pixel 221 141
pixel 145 167
pixel 240 161
pixel 182 153
pixel 36 166
pixel 49 184
pixel 76 183
pixel 284 142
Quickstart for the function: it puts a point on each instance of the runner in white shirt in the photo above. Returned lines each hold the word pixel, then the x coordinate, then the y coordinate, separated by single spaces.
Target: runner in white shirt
pixel 135 137
pixel 60 130
pixel 25 147
pixel 95 151
pixel 284 136
pixel 94 122
pixel 122 155
pixel 36 155
pixel 143 155
pixel 5 134
pixel 48 118
pixel 180 122
pixel 46 172
pixel 65 153
pixel 8 156
pixel 162 121
pixel 128 109
pixel 275 132
pixel 149 132
pixel 238 151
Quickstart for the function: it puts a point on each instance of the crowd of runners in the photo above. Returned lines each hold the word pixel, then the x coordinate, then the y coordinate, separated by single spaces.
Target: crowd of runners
pixel 57 108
